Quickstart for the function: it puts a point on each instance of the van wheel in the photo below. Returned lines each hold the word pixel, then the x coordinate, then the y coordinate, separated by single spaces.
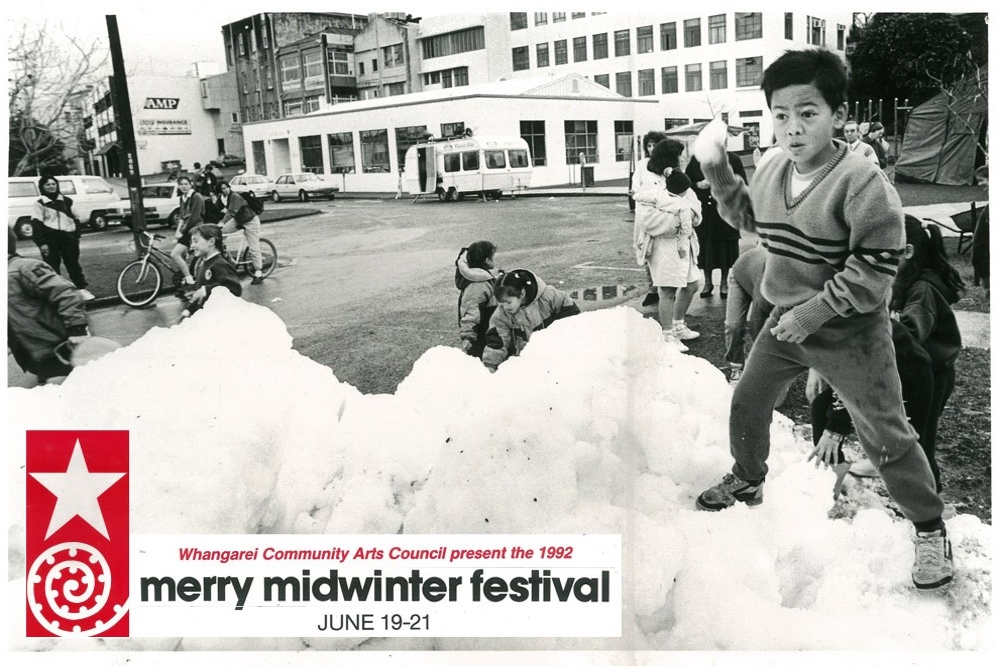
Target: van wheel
pixel 303 196
pixel 23 229
pixel 452 195
pixel 98 221
pixel 441 194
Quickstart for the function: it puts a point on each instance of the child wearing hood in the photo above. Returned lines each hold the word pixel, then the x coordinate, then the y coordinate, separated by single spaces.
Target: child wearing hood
pixel 475 274
pixel 526 304
pixel 56 232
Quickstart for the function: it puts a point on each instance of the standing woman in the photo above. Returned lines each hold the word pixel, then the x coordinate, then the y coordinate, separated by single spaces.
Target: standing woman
pixel 190 214
pixel 239 216
pixel 639 180
pixel 719 241
pixel 56 232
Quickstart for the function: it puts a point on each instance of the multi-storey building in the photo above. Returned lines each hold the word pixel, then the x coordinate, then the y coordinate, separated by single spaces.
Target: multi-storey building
pixel 386 57
pixel 289 64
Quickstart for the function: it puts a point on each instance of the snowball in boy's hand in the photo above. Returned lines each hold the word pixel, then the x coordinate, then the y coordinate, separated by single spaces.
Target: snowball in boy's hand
pixel 709 147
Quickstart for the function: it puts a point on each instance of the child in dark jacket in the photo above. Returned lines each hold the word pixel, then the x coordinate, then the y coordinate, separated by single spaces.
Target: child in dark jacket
pixel 475 274
pixel 927 342
pixel 212 269
pixel 526 304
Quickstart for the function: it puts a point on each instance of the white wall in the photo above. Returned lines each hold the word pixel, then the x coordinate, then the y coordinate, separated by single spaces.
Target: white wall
pixel 198 146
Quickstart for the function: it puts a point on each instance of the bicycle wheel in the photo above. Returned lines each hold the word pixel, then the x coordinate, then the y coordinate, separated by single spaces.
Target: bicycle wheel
pixel 268 257
pixel 139 283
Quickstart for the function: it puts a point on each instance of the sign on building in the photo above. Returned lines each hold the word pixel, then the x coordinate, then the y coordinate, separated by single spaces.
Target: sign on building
pixel 157 126
pixel 165 103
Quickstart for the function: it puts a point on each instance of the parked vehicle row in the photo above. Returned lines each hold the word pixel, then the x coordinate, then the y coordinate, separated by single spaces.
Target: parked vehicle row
pixel 95 202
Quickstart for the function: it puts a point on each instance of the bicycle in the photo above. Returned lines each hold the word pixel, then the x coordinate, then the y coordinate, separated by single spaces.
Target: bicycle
pixel 140 282
pixel 240 256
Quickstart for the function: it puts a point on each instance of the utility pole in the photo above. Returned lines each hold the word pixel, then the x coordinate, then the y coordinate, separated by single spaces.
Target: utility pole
pixel 126 135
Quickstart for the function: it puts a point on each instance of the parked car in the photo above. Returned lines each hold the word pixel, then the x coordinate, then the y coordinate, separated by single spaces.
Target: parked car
pixel 161 203
pixel 303 186
pixel 262 186
pixel 230 160
pixel 94 201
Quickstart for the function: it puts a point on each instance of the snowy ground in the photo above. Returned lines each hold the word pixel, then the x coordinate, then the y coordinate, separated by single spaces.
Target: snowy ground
pixel 596 428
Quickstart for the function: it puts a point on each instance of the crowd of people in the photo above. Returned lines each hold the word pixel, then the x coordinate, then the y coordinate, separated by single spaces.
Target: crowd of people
pixel 832 274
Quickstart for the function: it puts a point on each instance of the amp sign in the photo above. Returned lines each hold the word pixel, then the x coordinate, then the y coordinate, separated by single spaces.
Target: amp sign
pixel 168 103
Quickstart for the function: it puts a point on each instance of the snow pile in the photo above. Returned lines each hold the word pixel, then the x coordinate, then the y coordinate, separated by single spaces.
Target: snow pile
pixel 596 428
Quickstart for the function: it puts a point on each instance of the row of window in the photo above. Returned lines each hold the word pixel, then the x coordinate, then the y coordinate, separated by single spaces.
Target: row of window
pixel 748 73
pixel 518 20
pixel 447 78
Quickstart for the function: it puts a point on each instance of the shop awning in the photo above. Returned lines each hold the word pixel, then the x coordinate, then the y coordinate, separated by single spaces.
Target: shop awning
pixel 103 150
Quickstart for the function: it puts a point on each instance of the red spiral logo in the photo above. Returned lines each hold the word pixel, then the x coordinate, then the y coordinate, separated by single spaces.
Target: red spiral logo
pixel 69 588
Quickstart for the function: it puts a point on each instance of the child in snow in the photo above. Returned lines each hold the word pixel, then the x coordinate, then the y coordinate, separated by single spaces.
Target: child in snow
pixel 475 274
pixel 833 228
pixel 664 239
pixel 526 304
pixel 927 342
pixel 212 269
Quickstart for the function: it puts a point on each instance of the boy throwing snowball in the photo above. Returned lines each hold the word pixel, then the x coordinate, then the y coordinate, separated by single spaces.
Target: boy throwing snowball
pixel 833 228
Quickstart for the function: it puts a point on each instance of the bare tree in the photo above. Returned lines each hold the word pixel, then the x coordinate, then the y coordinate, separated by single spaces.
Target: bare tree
pixel 46 67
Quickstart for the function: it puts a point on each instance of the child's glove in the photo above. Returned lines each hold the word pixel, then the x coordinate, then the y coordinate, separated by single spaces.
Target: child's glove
pixel 709 147
pixel 681 249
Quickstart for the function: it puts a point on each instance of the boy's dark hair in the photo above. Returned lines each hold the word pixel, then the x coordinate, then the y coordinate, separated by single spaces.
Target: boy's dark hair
pixel 821 67
pixel 666 154
pixel 677 182
pixel 928 253
pixel 478 252
pixel 518 283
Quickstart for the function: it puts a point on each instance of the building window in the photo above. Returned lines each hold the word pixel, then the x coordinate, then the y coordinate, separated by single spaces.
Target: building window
pixel 269 76
pixel 447 78
pixel 718 75
pixel 692 32
pixel 312 104
pixel 748 25
pixel 840 36
pixel 311 148
pixel 693 78
pixel 313 62
pixel 259 158
pixel 264 43
pixel 518 20
pixel 374 65
pixel 667 36
pixel 624 138
pixel 644 39
pixel 375 151
pixel 542 53
pixel 622 83
pixel 341 64
pixel 393 89
pixel 581 138
pixel 291 73
pixel 578 49
pixel 646 82
pixel 816 31
pixel 452 129
pixel 622 43
pixel 246 85
pixel 600 46
pixel 521 59
pixel 669 80
pixel 558 17
pixel 670 123
pixel 240 39
pixel 341 152
pixel 460 41
pixel 360 68
pixel 540 18
pixel 602 79
pixel 235 116
pixel 392 56
pixel 748 71
pixel 533 132
pixel 292 108
pixel 561 52
pixel 460 76
pixel 577 15
pixel 716 29
pixel 406 137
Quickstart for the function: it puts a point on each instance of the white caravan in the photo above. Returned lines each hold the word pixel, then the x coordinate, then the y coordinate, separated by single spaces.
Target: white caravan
pixel 483 165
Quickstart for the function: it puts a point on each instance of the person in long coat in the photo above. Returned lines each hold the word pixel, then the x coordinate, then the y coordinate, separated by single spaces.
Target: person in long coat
pixel 719 242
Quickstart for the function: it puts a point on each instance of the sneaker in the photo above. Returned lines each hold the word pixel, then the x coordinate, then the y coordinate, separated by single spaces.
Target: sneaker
pixel 651 298
pixel 86 295
pixel 734 375
pixel 684 333
pixel 732 489
pixel 934 565
pixel 673 341
pixel 864 469
pixel 257 279
pixel 841 470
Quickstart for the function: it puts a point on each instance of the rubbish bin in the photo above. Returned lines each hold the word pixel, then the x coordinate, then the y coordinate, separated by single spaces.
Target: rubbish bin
pixel 587 176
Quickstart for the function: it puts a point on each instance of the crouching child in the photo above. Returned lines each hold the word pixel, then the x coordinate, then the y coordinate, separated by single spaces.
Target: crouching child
pixel 526 304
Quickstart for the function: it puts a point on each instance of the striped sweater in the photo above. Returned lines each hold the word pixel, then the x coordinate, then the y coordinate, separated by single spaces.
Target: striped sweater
pixel 833 249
